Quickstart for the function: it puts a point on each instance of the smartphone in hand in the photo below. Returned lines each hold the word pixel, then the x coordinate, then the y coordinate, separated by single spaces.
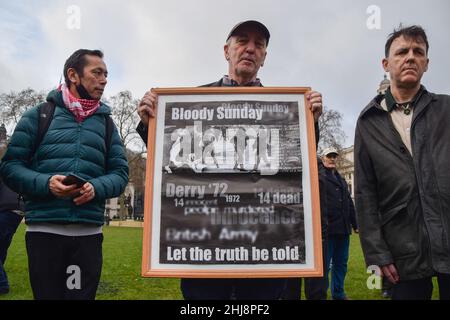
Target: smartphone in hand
pixel 74 179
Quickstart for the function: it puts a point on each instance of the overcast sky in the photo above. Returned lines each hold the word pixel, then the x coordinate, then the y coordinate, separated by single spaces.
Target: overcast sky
pixel 326 45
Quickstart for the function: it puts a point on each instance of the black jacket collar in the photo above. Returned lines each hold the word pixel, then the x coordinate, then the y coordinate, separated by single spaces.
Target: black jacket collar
pixel 423 101
pixel 392 104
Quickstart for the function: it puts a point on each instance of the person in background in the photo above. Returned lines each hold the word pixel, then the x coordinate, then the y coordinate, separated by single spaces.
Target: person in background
pixel 341 221
pixel 314 288
pixel 11 214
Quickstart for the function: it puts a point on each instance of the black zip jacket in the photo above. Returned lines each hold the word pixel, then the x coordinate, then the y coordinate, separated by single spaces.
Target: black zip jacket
pixel 9 200
pixel 403 201
pixel 341 211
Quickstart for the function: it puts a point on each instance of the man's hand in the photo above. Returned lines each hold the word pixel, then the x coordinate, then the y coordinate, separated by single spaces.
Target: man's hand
pixel 390 271
pixel 87 193
pixel 60 190
pixel 146 108
pixel 315 101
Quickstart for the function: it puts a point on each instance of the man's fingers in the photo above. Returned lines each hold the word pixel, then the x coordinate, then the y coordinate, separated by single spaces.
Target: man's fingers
pixel 68 188
pixel 59 189
pixel 58 177
pixel 146 101
pixel 143 115
pixel 387 274
pixel 87 193
pixel 67 191
pixel 315 101
pixel 74 192
pixel 147 106
pixel 149 111
pixel 394 273
pixel 390 272
pixel 83 198
pixel 149 99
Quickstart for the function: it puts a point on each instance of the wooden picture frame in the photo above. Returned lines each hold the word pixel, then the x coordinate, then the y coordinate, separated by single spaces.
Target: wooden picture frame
pixel 232 185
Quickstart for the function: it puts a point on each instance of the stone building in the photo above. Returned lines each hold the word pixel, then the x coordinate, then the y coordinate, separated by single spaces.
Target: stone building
pixel 121 207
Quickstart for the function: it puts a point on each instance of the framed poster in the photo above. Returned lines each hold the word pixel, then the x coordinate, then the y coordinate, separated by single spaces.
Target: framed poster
pixel 232 185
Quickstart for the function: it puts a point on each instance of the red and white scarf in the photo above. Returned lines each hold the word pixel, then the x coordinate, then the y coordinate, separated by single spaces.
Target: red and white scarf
pixel 81 108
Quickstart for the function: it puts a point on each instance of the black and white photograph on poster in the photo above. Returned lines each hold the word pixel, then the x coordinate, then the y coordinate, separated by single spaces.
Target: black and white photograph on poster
pixel 229 184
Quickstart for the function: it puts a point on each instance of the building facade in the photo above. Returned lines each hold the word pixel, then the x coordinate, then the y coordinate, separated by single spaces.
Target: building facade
pixel 346 168
pixel 121 207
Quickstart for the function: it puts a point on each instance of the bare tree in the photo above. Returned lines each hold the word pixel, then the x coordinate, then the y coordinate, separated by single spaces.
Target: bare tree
pixel 14 104
pixel 137 170
pixel 126 119
pixel 331 133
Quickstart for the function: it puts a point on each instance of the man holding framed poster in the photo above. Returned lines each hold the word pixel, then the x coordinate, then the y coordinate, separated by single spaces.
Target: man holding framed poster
pixel 212 144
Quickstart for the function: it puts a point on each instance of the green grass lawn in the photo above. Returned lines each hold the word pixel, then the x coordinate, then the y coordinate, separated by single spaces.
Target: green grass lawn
pixel 122 249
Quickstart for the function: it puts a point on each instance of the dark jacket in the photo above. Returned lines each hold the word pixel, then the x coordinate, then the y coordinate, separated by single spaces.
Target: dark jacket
pixel 67 147
pixel 9 200
pixel 323 199
pixel 403 201
pixel 340 208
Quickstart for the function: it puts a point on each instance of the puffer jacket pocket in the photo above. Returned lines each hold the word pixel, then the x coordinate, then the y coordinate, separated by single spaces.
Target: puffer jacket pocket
pixel 398 232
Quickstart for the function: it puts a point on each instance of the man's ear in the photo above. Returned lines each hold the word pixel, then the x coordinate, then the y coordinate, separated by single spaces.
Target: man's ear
pixel 265 55
pixel 73 76
pixel 225 51
pixel 385 64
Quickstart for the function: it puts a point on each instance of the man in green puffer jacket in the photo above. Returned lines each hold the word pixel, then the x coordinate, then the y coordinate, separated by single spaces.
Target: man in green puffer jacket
pixel 64 221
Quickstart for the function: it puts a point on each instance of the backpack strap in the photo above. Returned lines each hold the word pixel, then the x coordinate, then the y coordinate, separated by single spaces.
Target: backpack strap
pixel 46 111
pixel 109 128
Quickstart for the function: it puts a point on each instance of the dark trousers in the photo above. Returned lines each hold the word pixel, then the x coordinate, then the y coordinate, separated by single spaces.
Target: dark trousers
pixel 338 251
pixel 315 288
pixel 228 289
pixel 421 289
pixel 62 267
pixel 386 286
pixel 9 221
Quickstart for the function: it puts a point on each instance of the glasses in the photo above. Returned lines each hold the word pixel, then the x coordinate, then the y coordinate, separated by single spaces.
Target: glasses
pixel 332 156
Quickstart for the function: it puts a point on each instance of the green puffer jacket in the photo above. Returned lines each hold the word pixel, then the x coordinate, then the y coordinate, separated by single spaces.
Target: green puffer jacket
pixel 68 147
